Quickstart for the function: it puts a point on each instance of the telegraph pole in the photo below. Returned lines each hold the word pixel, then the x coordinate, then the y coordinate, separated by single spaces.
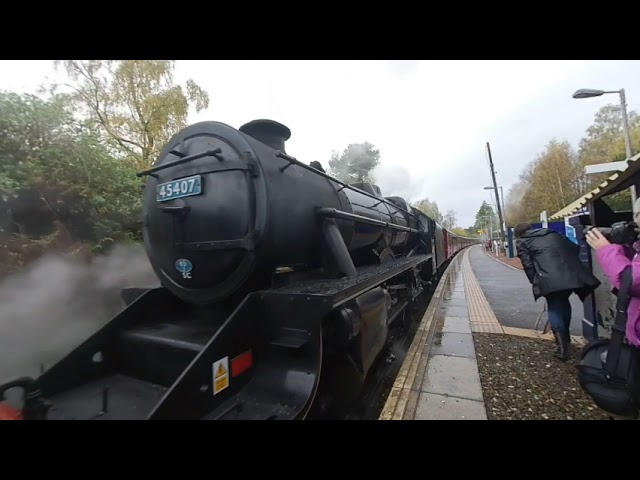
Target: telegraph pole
pixel 495 189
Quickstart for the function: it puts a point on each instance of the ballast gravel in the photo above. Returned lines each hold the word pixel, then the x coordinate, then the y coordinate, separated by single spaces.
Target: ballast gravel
pixel 522 380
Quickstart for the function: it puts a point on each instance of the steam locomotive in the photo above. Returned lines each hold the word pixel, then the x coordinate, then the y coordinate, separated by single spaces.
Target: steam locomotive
pixel 279 287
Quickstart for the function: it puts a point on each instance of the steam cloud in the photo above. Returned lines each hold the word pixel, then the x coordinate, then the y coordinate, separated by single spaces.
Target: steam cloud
pixel 396 181
pixel 515 196
pixel 50 308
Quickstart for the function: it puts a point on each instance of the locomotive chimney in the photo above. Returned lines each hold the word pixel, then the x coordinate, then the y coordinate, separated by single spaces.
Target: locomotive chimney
pixel 268 132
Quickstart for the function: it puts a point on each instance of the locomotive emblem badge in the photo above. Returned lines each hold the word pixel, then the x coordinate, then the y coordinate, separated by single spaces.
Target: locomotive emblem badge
pixel 184 266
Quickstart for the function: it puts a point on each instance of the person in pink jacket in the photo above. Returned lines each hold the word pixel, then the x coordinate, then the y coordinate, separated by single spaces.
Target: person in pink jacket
pixel 614 259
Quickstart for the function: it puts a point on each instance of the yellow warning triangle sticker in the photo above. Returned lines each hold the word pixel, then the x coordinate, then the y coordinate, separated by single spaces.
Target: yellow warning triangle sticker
pixel 221 371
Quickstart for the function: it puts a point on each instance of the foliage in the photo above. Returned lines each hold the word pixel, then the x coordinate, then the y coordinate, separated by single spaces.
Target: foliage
pixel 554 179
pixel 605 137
pixel 355 163
pixel 430 209
pixel 461 231
pixel 486 217
pixel 449 220
pixel 58 165
pixel 133 104
pixel 69 156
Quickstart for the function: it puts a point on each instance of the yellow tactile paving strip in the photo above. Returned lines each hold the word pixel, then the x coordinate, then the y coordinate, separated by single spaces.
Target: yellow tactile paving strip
pixel 526 332
pixel 403 398
pixel 481 316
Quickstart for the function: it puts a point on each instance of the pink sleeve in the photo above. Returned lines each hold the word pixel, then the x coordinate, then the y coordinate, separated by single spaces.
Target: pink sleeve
pixel 614 260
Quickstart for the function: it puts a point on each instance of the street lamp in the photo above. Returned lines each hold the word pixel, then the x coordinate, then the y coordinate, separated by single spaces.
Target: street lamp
pixel 588 93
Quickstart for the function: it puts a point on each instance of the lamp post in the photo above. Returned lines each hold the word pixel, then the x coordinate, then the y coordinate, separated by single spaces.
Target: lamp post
pixel 588 93
pixel 495 185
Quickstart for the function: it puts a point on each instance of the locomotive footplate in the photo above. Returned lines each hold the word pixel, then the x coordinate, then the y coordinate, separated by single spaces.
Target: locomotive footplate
pixel 342 290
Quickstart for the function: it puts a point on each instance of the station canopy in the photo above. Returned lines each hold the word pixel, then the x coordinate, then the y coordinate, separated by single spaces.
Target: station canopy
pixel 620 180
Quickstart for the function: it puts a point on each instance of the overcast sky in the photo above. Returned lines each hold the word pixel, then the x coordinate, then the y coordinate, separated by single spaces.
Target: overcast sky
pixel 429 119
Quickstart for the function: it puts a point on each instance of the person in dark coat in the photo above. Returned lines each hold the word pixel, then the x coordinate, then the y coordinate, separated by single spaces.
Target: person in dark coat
pixel 555 271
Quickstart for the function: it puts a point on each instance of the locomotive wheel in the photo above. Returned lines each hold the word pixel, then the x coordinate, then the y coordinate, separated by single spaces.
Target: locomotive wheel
pixel 386 256
pixel 339 387
pixel 312 403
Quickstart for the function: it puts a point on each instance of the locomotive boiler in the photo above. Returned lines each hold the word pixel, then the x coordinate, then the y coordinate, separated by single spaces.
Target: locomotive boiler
pixel 224 208
pixel 280 285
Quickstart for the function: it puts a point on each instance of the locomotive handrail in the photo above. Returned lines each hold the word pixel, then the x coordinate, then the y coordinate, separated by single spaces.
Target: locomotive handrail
pixel 209 153
pixel 342 215
pixel 297 162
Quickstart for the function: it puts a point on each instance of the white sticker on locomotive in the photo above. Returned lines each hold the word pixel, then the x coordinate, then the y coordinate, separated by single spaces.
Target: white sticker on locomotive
pixel 220 375
pixel 184 266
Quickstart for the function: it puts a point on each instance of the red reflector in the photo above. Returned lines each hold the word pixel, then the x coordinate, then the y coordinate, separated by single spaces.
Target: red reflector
pixel 7 412
pixel 241 363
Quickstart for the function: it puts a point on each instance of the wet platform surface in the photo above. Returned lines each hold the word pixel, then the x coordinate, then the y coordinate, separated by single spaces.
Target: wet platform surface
pixel 451 388
pixel 509 293
pixel 439 379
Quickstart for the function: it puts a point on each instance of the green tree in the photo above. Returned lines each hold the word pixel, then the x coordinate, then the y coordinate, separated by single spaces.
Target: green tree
pixel 355 163
pixel 133 104
pixel 430 209
pixel 486 217
pixel 605 143
pixel 554 179
pixel 605 137
pixel 449 220
pixel 28 125
pixel 61 165
pixel 460 231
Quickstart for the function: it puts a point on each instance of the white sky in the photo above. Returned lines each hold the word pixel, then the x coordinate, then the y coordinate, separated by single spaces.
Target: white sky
pixel 429 119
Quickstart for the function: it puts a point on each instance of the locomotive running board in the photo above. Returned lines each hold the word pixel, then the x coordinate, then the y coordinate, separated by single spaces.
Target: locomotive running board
pixel 338 291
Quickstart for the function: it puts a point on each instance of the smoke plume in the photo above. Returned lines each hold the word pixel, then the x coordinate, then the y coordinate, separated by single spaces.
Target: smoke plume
pixel 55 304
pixel 395 181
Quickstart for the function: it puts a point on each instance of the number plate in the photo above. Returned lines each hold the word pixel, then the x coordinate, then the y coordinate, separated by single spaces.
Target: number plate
pixel 183 187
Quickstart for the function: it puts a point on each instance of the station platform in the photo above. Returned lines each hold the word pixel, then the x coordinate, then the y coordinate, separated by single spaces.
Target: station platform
pixel 439 378
pixel 508 291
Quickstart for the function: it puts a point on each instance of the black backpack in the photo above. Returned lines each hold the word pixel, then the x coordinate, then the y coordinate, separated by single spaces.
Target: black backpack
pixel 609 369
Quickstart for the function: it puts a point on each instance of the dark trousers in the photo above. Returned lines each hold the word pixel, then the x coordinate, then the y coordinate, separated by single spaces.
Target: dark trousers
pixel 559 310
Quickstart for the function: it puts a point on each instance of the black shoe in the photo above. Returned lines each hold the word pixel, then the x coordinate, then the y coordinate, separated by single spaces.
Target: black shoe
pixel 562 345
pixel 556 339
